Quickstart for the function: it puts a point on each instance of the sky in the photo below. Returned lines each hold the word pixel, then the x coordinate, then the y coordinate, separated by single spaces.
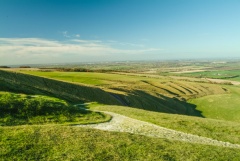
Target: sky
pixel 71 31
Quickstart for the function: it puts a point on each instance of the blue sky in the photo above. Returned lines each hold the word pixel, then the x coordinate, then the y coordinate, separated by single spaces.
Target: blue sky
pixel 60 31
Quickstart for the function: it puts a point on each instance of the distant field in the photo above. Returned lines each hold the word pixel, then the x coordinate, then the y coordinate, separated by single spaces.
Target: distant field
pixel 219 74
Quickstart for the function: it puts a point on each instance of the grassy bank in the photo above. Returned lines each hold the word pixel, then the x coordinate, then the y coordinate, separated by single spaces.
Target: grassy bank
pixel 19 109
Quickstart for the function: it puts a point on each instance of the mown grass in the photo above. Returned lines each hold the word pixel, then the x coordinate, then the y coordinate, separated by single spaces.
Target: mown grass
pixel 74 143
pixel 216 129
pixel 22 109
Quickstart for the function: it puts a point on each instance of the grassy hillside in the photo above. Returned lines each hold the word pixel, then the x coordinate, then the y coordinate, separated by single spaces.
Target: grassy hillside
pixel 18 109
pixel 62 142
pixel 162 94
pixel 217 129
pixel 22 83
pixel 74 143
pixel 224 107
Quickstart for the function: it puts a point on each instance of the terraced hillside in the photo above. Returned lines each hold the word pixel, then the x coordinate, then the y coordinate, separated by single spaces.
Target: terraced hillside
pixel 155 94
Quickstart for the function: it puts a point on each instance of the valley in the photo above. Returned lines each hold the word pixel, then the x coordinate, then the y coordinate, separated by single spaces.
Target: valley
pixel 185 107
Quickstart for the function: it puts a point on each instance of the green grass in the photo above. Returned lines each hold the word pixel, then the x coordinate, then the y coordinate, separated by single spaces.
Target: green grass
pixel 60 142
pixel 162 95
pixel 22 109
pixel 74 143
pixel 156 94
pixel 216 129
pixel 28 84
pixel 223 107
pixel 219 74
pixel 89 78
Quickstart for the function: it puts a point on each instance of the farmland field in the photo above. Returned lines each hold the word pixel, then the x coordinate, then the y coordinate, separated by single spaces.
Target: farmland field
pixel 219 74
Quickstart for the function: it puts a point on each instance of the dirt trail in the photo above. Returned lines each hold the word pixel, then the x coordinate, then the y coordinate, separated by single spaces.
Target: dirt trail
pixel 120 123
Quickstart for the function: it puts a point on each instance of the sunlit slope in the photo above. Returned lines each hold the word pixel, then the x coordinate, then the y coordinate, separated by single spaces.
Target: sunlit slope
pixel 163 95
pixel 68 143
pixel 212 128
pixel 185 89
pixel 22 83
pixel 224 107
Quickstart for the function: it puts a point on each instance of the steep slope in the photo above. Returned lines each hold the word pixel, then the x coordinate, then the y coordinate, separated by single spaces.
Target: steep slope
pixel 155 94
pixel 28 84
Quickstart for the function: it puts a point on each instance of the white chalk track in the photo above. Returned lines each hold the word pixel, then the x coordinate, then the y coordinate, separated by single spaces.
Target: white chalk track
pixel 120 123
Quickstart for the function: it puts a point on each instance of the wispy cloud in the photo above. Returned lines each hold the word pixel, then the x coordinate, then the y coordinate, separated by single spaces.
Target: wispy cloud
pixel 77 35
pixel 35 50
pixel 65 34
pixel 112 42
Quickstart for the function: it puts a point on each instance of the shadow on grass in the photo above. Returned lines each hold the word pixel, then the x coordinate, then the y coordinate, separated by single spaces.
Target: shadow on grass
pixel 28 84
pixel 142 100
pixel 74 93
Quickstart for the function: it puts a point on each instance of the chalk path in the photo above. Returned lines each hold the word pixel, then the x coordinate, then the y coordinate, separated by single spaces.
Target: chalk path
pixel 120 123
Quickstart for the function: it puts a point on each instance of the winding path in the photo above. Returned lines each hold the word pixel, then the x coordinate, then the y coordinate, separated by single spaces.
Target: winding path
pixel 120 123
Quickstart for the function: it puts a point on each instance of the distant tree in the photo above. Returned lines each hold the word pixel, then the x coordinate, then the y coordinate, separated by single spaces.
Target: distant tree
pixel 24 66
pixel 4 67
